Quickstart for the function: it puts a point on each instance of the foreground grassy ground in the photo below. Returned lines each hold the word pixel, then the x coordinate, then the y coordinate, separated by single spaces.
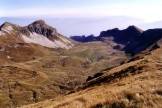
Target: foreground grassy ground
pixel 138 87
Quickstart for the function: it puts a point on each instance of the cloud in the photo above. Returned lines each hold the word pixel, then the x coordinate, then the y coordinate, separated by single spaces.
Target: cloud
pixel 148 12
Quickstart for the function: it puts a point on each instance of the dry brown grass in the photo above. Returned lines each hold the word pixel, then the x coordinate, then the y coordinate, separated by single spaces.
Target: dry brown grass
pixel 33 73
pixel 142 90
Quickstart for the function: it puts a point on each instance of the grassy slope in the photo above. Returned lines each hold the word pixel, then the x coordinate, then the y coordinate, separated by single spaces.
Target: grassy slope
pixel 34 73
pixel 142 89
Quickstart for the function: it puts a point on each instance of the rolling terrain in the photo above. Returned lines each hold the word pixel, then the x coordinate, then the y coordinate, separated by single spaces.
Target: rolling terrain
pixel 136 84
pixel 39 65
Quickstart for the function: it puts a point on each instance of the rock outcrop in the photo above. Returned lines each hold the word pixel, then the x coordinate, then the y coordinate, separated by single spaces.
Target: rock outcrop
pixel 42 28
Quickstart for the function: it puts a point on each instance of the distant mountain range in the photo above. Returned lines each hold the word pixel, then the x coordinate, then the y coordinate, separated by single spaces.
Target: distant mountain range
pixel 78 25
pixel 86 25
pixel 132 39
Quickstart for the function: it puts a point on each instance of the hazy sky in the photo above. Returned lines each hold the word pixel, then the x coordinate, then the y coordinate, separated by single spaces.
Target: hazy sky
pixel 147 10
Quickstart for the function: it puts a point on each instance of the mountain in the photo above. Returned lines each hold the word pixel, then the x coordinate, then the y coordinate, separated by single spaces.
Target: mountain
pixel 37 64
pixel 75 25
pixel 37 33
pixel 125 36
pixel 31 41
pixel 119 36
pixel 132 40
pixel 147 40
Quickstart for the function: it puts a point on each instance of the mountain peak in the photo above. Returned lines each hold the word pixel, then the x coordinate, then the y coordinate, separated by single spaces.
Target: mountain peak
pixel 42 28
pixel 7 27
pixel 6 24
pixel 42 22
pixel 134 28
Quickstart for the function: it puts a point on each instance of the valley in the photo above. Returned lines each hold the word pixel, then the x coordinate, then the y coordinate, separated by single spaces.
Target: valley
pixel 41 68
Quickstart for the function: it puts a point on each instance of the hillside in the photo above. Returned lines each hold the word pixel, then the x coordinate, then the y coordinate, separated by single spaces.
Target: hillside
pixel 136 84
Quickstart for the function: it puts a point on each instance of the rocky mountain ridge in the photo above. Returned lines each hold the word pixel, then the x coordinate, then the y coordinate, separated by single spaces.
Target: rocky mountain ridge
pixel 38 33
pixel 131 40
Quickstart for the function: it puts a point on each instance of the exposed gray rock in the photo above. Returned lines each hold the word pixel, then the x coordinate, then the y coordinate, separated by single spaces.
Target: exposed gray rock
pixel 41 27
